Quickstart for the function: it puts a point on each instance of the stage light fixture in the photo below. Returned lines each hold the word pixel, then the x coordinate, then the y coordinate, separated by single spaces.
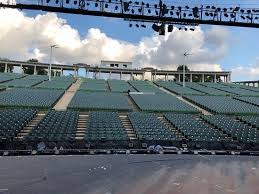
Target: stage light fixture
pixel 171 13
pixel 172 7
pixel 155 27
pixel 149 11
pixel 143 26
pixel 226 15
pixel 47 1
pixel 225 9
pixel 195 11
pixel 57 1
pixel 237 9
pixel 185 29
pixel 75 2
pixel 126 6
pixel 106 6
pixel 130 25
pixel 162 30
pixel 170 28
pixel 116 7
pixel 96 4
pixel 67 1
pixel 192 29
pixel 207 7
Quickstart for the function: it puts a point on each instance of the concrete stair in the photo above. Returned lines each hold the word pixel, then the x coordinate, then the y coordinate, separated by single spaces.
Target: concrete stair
pixel 165 122
pixel 33 123
pixel 128 127
pixel 82 126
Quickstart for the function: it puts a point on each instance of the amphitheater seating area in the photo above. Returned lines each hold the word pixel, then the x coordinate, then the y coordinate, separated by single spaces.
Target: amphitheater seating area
pixel 63 85
pixel 25 97
pixel 237 130
pixel 145 86
pixel 99 101
pixel 223 105
pixel 12 121
pixel 51 129
pixel 105 126
pixel 195 129
pixel 94 85
pixel 161 103
pixel 250 120
pixel 120 86
pixel 148 127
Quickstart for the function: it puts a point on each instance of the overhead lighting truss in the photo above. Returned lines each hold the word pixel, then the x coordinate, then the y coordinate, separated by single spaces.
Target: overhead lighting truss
pixel 160 13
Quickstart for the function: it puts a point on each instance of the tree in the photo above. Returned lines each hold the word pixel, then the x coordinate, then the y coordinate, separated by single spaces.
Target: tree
pixel 30 69
pixel 180 68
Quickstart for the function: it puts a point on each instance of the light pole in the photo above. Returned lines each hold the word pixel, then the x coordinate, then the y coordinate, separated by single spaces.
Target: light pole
pixel 50 60
pixel 186 54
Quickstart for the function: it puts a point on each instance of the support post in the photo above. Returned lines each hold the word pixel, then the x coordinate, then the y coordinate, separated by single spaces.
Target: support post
pixel 179 78
pixel 202 78
pixel 155 76
pixel 215 78
pixel 6 68
pixel 191 77
pixel 131 76
pixel 21 69
pixel 35 70
pixel 120 75
pixel 143 75
pixel 61 72
pixel 110 75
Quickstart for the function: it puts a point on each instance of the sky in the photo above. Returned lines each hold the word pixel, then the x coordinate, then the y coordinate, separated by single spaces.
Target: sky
pixel 88 39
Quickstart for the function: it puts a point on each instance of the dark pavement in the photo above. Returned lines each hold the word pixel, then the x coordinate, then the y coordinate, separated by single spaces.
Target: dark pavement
pixel 129 174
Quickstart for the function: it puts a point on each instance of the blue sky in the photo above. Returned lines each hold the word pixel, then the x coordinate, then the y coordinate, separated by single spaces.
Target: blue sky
pixel 241 56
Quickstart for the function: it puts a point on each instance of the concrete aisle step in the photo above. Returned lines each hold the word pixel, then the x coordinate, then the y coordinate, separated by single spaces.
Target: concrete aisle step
pixel 67 97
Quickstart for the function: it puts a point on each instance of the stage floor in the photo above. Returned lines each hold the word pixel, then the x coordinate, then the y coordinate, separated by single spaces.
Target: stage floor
pixel 129 174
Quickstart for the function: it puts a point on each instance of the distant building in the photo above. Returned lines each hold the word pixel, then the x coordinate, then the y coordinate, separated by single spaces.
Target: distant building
pixel 116 64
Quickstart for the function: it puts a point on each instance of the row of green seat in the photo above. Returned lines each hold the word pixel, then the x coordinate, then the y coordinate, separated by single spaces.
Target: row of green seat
pixel 99 101
pixel 145 86
pixel 105 126
pixel 195 129
pixel 120 86
pixel 161 103
pixel 25 97
pixel 55 126
pixel 12 121
pixel 53 84
pixel 223 105
pixel 94 85
pixel 239 131
pixel 148 127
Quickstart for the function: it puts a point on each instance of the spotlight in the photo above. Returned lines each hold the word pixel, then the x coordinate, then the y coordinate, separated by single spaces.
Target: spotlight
pixel 130 25
pixel 47 1
pixel 237 9
pixel 170 28
pixel 96 4
pixel 106 6
pixel 67 1
pixel 149 11
pixel 57 1
pixel 185 29
pixel 192 29
pixel 126 6
pixel 196 12
pixel 155 27
pixel 75 2
pixel 143 26
pixel 137 25
pixel 162 30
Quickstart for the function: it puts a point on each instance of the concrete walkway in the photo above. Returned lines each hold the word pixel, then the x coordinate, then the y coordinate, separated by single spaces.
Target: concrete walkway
pixel 67 97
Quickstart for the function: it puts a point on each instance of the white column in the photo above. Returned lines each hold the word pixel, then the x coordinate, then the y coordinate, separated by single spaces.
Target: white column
pixel 35 70
pixel 120 75
pixel 143 76
pixel 179 78
pixel 155 76
pixel 215 78
pixel 131 76
pixel 22 72
pixel 202 78
pixel 61 72
pixel 191 77
pixel 6 68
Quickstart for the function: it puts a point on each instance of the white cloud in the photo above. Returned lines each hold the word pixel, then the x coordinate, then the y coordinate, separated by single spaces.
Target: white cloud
pixel 246 72
pixel 24 37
